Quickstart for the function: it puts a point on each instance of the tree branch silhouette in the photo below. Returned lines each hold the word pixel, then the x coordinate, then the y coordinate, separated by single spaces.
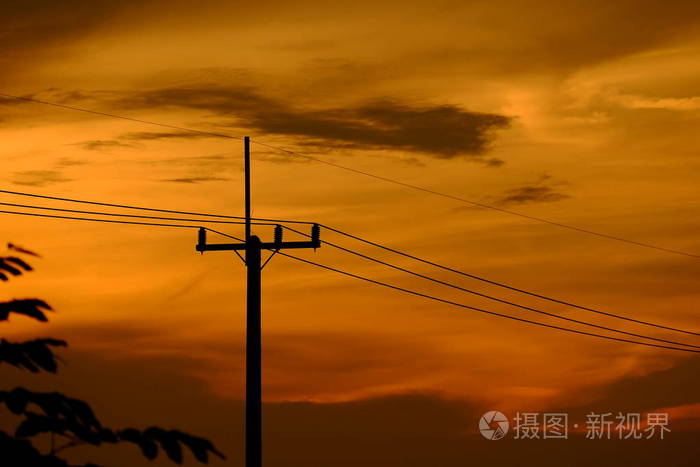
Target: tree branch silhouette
pixel 55 414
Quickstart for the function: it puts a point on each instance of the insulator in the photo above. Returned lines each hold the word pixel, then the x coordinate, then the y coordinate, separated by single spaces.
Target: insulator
pixel 316 235
pixel 278 234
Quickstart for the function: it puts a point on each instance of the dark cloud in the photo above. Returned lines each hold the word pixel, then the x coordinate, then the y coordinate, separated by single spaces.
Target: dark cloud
pixel 38 177
pixel 412 161
pixel 70 162
pixel 532 194
pixel 183 170
pixel 150 136
pixel 494 162
pixel 9 101
pixel 280 158
pixel 195 179
pixel 200 169
pixel 542 191
pixel 103 144
pixel 443 131
pixel 209 160
pixel 216 99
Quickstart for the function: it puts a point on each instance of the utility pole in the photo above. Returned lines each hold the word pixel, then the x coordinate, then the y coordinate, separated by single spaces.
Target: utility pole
pixel 253 248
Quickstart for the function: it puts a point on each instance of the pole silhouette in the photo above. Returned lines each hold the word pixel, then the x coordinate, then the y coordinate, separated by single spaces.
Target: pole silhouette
pixel 253 248
pixel 253 342
pixel 253 364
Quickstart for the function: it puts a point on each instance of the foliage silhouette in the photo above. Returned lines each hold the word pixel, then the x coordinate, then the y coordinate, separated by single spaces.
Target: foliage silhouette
pixel 12 265
pixel 53 413
pixel 35 355
pixel 19 249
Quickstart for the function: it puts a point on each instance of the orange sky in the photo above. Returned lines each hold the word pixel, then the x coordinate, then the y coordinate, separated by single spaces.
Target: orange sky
pixel 584 113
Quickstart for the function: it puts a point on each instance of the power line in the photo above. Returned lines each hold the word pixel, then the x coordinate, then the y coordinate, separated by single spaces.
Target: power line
pixel 142 208
pixel 355 237
pixel 121 117
pixel 461 305
pixel 524 307
pixel 127 215
pixel 364 173
pixel 449 302
pixel 506 286
pixel 480 310
pixel 34 214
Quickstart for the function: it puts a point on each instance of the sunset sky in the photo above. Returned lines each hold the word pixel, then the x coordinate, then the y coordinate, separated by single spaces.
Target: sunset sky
pixel 579 112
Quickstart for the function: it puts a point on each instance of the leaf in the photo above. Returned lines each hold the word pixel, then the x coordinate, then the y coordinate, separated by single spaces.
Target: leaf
pixel 4 265
pixel 200 447
pixel 32 355
pixel 14 355
pixel 75 418
pixel 167 441
pixel 19 262
pixel 83 412
pixel 35 424
pixel 73 415
pixel 130 434
pixel 19 249
pixel 148 447
pixel 16 400
pixel 108 436
pixel 171 441
pixel 31 307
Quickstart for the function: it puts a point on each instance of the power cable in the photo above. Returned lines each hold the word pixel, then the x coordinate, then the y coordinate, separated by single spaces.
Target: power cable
pixel 501 284
pixel 460 305
pixel 489 297
pixel 99 213
pixel 369 242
